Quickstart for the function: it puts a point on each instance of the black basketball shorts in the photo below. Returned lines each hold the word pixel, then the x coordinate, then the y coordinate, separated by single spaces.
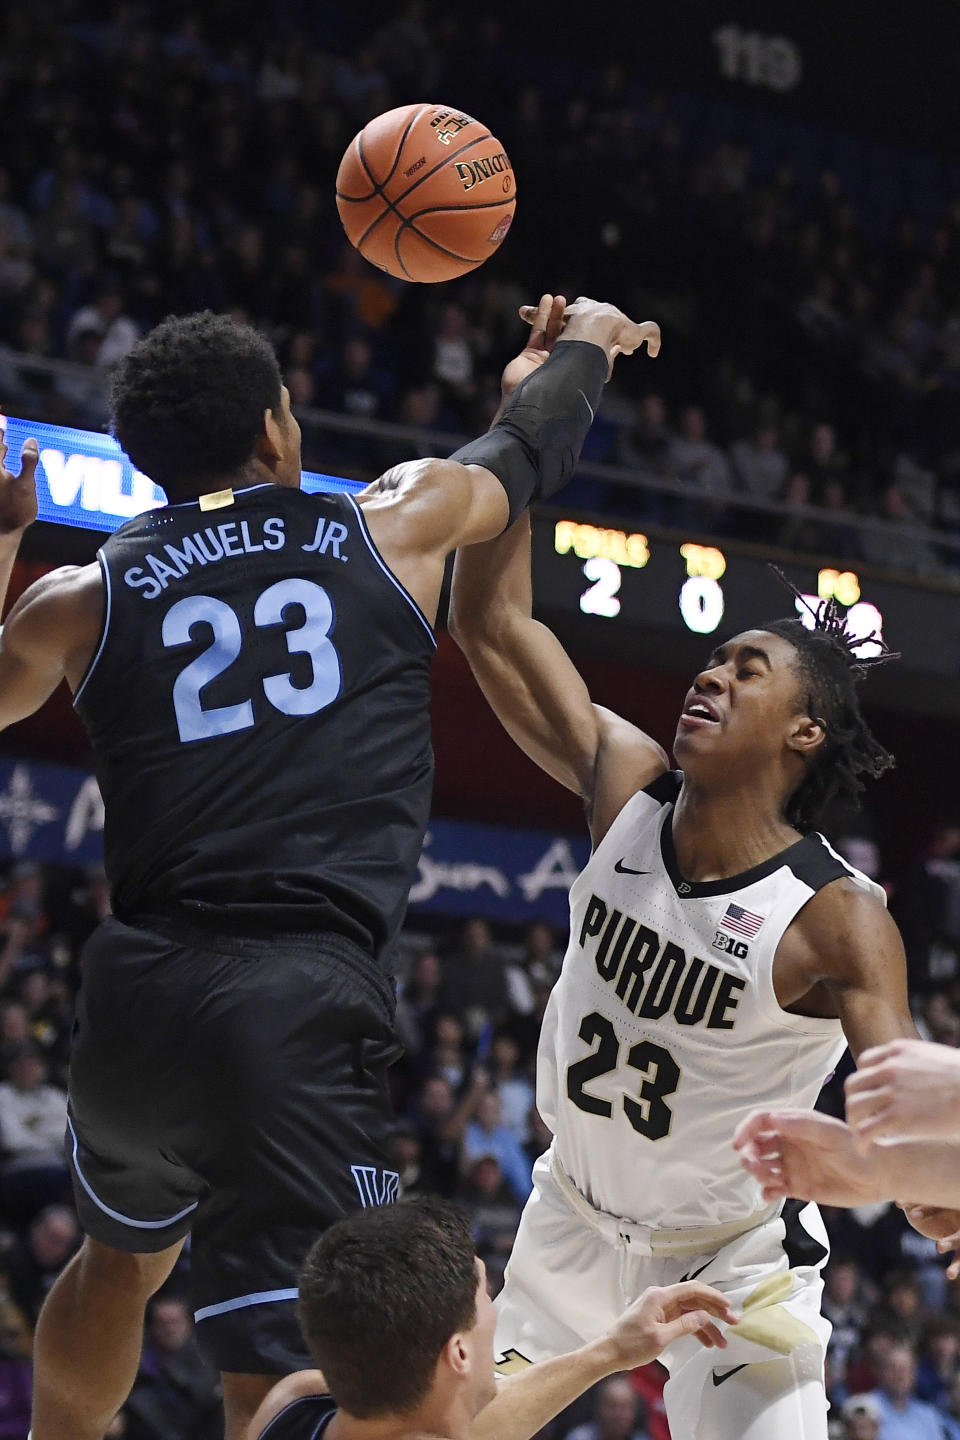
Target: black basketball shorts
pixel 236 1089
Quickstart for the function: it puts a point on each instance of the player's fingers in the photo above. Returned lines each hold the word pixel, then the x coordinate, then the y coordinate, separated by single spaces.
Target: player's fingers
pixel 29 458
pixel 872 1127
pixel 747 1131
pixel 650 332
pixel 694 1322
pixel 862 1103
pixel 949 1242
pixel 541 319
pixel 876 1055
pixel 691 1295
pixel 556 320
pixel 953 1269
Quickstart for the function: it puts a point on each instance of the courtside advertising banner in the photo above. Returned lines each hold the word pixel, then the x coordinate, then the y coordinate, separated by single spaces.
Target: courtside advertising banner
pixel 85 479
pixel 55 813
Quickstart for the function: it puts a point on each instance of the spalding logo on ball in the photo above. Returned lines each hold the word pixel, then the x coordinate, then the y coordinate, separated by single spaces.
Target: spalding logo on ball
pixel 425 192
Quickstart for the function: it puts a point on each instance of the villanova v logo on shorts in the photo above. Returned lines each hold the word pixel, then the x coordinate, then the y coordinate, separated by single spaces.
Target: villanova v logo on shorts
pixel 376 1187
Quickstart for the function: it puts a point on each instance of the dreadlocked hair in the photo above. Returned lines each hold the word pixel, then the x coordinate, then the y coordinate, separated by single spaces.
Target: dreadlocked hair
pixel 830 670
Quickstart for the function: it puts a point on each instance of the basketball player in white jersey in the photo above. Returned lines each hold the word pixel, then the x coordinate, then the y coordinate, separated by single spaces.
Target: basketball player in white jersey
pixel 721 958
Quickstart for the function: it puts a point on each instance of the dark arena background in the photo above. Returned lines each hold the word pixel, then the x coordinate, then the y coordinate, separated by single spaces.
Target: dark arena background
pixel 778 185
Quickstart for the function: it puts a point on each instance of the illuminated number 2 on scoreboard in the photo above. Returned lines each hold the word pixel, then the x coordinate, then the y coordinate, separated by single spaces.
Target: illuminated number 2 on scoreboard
pixel 601 598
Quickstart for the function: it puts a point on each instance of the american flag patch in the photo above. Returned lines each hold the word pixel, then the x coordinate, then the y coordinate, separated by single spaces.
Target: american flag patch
pixel 742 922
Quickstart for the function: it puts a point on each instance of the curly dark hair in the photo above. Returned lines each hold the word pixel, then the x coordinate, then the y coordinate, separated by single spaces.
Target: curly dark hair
pixel 187 402
pixel 830 668
pixel 380 1295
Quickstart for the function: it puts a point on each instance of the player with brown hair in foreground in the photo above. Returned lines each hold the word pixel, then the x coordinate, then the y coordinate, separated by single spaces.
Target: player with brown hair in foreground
pixel 395 1310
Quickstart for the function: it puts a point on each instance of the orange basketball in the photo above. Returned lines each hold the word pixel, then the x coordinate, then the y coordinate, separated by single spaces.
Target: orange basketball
pixel 425 192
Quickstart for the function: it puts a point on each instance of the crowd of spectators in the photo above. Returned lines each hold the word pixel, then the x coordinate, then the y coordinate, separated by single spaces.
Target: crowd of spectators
pixel 154 163
pixel 469 1012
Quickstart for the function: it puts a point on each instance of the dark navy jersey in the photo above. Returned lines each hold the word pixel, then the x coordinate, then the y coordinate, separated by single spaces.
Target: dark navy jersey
pixel 303 1419
pixel 259 710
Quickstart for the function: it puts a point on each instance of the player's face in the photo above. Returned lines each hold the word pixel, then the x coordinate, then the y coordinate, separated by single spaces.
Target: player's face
pixel 481 1344
pixel 745 703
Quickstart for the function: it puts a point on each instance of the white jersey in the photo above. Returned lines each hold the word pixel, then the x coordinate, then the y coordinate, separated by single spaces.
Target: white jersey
pixel 664 1031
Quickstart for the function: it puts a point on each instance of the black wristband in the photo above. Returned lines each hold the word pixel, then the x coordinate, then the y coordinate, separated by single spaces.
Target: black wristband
pixel 535 445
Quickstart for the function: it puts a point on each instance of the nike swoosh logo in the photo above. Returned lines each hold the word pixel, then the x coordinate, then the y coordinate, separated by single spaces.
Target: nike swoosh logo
pixel 588 405
pixel 727 1374
pixel 695 1273
pixel 622 869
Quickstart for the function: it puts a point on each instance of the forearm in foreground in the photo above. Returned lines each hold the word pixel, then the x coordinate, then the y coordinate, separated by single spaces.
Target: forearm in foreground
pixel 526 1402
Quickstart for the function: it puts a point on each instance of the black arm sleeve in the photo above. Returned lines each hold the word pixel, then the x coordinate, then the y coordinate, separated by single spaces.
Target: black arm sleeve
pixel 534 447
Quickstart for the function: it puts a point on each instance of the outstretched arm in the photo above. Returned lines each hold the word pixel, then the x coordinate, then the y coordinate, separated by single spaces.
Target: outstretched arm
pixel 814 1157
pixel 421 511
pixel 525 1402
pixel 52 629
pixel 907 1087
pixel 533 686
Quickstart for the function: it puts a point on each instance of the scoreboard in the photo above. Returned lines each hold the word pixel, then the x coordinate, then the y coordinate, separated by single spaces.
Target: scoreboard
pixel 612 585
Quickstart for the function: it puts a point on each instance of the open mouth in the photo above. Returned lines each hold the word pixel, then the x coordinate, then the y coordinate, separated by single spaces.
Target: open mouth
pixel 699 712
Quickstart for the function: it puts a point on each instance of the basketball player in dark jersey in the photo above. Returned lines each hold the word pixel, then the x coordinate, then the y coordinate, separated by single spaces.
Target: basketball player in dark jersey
pixel 252 666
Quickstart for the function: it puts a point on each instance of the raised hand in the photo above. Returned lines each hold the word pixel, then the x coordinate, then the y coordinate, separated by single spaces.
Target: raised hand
pixel 18 493
pixel 908 1088
pixel 604 325
pixel 546 322
pixel 665 1313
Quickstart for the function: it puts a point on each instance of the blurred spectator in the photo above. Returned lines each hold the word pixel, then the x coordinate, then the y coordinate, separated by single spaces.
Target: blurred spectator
pixel 33 1119
pixel 445 1054
pixel 901 1310
pixel 844 1308
pixel 474 978
pixel 890 539
pixel 116 332
pixel 493 1208
pixel 486 1134
pixel 453 358
pixel 434 1116
pixel 33 1114
pixel 902 1415
pixel 417 1001
pixel 861 1418
pixel 32 1264
pixel 760 466
pixel 696 460
pixel 927 909
pixel 823 461
pixel 939 1363
pixel 511 1084
pixel 801 530
pixel 616 1413
pixel 177 1394
pixel 649 442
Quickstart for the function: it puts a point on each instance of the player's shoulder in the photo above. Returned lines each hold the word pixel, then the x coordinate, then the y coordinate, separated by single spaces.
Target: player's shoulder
pixel 410 478
pixel 71 595
pixel 297 1408
pixel 629 764
pixel 847 912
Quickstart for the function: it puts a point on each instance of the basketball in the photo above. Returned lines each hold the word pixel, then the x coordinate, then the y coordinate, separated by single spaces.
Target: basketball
pixel 426 193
